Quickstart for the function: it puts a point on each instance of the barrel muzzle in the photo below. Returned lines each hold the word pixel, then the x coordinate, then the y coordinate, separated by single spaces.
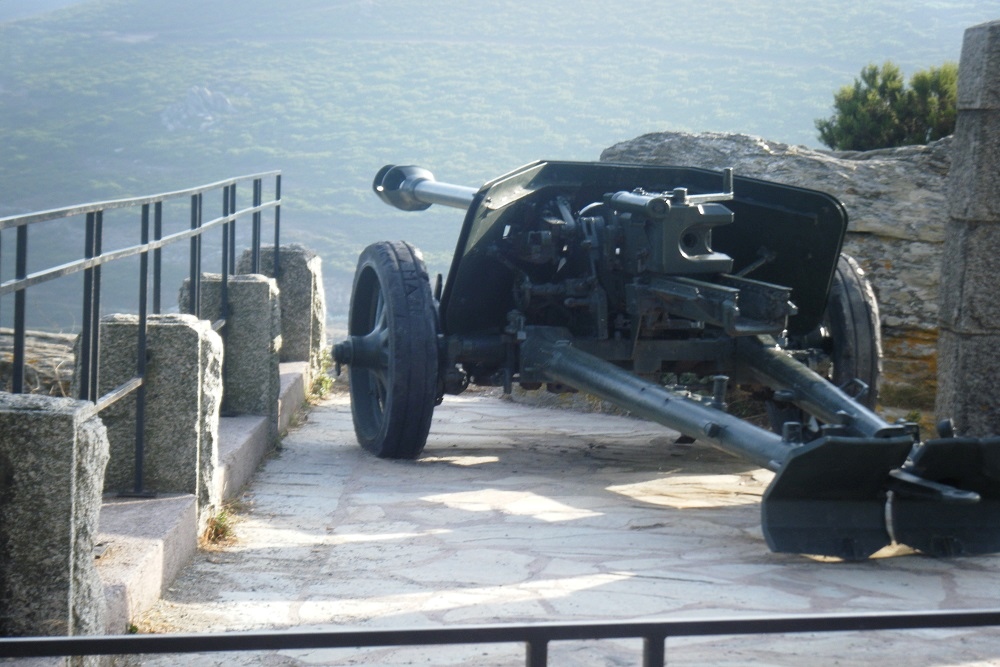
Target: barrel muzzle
pixel 395 185
pixel 411 188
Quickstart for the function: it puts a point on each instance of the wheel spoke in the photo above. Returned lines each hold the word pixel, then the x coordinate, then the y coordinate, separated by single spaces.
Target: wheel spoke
pixel 377 391
pixel 381 331
pixel 379 323
pixel 379 338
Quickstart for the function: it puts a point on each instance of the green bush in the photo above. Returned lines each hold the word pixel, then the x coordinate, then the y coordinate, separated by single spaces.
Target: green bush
pixel 880 111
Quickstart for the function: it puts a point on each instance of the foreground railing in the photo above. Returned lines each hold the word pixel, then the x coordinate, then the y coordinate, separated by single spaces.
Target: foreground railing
pixel 536 637
pixel 149 212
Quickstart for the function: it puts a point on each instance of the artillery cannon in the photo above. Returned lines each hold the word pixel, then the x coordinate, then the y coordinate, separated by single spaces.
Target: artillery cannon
pixel 622 281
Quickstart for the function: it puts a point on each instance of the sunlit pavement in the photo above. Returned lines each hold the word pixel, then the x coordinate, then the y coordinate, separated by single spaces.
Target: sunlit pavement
pixel 517 513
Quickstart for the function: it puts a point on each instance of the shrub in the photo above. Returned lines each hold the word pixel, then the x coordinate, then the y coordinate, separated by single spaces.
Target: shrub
pixel 880 111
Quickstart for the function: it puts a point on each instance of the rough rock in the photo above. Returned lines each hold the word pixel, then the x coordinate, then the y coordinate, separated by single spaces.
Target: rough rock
pixel 48 362
pixel 897 209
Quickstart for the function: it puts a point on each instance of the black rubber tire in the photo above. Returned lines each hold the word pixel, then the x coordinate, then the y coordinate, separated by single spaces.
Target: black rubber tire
pixel 393 398
pixel 852 320
pixel 849 336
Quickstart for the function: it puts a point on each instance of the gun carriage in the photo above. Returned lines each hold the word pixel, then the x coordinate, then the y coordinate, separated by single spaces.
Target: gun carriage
pixel 625 281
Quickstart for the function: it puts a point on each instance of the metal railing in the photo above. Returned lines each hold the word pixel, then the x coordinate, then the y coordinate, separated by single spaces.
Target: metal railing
pixel 535 637
pixel 152 240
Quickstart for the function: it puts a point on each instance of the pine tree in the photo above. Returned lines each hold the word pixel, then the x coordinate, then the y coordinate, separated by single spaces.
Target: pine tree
pixel 932 104
pixel 880 111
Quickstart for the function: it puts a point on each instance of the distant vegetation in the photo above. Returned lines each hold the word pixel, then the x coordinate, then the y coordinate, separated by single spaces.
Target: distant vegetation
pixel 114 98
pixel 880 111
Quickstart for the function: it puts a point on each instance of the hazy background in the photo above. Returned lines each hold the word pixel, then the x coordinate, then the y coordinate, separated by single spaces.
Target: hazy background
pixel 114 98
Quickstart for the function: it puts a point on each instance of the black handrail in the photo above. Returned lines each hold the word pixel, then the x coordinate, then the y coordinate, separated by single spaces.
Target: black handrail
pixel 535 637
pixel 94 258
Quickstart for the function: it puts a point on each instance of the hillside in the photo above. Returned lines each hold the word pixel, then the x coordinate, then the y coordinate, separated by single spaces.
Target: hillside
pixel 114 98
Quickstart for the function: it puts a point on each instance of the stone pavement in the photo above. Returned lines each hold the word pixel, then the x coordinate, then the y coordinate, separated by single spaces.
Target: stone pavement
pixel 517 513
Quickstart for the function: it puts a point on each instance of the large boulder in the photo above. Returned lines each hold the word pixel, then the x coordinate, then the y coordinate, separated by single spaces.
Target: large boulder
pixel 895 199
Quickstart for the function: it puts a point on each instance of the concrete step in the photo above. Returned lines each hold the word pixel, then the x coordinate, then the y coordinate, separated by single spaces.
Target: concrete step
pixel 142 543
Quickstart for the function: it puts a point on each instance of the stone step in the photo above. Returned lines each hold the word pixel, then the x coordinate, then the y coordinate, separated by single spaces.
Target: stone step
pixel 142 543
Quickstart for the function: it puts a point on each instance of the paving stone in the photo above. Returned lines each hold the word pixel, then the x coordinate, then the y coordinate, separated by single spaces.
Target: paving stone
pixel 543 515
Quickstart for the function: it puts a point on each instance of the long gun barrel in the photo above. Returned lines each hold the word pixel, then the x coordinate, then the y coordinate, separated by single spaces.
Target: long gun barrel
pixel 411 188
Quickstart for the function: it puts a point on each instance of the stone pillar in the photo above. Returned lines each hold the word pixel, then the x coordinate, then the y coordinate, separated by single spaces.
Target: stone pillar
pixel 183 397
pixel 53 452
pixel 252 341
pixel 968 361
pixel 303 302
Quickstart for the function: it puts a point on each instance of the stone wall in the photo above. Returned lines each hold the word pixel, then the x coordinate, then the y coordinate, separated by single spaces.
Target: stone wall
pixel 970 309
pixel 897 209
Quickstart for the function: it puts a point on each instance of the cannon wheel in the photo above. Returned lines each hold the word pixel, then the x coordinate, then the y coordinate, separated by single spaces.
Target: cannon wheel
pixel 852 320
pixel 849 338
pixel 394 390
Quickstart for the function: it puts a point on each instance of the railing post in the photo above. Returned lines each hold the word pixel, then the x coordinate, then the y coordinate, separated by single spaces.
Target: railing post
pixel 277 226
pixel 227 267
pixel 654 653
pixel 232 227
pixel 20 326
pixel 537 653
pixel 95 315
pixel 194 284
pixel 228 204
pixel 86 332
pixel 89 338
pixel 255 233
pixel 157 256
pixel 140 360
